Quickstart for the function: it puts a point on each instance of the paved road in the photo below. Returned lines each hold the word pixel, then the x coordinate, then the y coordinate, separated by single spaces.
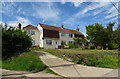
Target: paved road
pixel 68 69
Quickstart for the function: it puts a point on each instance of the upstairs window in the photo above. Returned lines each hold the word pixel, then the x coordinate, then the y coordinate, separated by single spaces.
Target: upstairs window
pixel 32 32
pixel 29 32
pixel 70 35
pixel 63 42
pixel 62 34
pixel 49 42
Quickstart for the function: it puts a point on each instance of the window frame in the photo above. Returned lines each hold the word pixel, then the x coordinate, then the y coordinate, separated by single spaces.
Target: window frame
pixel 70 35
pixel 32 32
pixel 62 34
pixel 48 42
pixel 63 43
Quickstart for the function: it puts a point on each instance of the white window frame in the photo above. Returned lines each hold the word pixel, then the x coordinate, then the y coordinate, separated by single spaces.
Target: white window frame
pixel 70 35
pixel 49 42
pixel 33 42
pixel 62 34
pixel 32 32
pixel 64 42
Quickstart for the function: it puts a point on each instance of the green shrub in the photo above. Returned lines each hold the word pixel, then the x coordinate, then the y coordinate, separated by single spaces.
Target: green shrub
pixel 98 47
pixel 92 47
pixel 14 41
pixel 114 46
pixel 27 61
pixel 71 45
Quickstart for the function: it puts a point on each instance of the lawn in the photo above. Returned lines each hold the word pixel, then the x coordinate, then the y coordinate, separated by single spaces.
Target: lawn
pixel 27 61
pixel 97 58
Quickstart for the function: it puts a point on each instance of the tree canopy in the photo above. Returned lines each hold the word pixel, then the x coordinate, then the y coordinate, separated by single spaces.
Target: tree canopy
pixel 14 41
pixel 104 37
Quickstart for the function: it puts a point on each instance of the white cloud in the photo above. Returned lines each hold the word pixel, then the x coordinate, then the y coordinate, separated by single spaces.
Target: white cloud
pixel 114 18
pixel 8 8
pixel 94 6
pixel 111 15
pixel 97 12
pixel 112 12
pixel 21 20
pixel 79 2
pixel 63 2
pixel 46 11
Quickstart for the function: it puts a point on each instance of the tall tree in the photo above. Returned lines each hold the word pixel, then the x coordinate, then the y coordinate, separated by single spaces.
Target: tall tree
pixel 97 35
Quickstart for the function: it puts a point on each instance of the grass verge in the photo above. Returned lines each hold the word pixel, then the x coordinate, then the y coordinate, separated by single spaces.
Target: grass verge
pixel 97 58
pixel 27 61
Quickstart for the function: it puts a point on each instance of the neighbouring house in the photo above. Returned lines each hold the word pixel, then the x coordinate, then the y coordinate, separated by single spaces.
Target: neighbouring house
pixel 48 36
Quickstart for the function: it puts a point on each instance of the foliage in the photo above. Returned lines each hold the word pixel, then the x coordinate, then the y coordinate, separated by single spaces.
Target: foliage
pixel 26 61
pixel 97 58
pixel 72 45
pixel 78 41
pixel 103 37
pixel 14 41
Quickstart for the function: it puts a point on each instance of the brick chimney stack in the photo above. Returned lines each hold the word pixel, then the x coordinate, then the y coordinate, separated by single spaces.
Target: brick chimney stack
pixel 77 29
pixel 19 26
pixel 61 25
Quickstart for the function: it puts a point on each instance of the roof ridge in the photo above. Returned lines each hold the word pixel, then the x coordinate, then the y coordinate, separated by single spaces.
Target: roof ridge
pixel 58 27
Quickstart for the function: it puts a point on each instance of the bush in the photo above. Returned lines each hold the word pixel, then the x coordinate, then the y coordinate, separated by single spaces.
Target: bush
pixel 98 47
pixel 92 47
pixel 14 41
pixel 114 46
pixel 26 61
pixel 72 45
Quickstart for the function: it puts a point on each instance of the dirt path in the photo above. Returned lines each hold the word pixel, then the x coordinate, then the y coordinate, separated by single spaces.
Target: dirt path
pixel 68 69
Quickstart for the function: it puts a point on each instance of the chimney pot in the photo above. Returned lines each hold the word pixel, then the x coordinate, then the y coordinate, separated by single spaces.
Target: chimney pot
pixel 77 29
pixel 61 25
pixel 19 26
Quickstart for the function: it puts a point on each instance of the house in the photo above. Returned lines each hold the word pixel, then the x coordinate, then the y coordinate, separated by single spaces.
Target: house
pixel 48 36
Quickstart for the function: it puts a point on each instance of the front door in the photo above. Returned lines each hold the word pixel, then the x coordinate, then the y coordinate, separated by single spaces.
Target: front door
pixel 56 44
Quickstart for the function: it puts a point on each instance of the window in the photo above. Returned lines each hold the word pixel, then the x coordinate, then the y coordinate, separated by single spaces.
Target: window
pixel 70 35
pixel 32 32
pixel 29 32
pixel 63 42
pixel 33 42
pixel 49 42
pixel 62 34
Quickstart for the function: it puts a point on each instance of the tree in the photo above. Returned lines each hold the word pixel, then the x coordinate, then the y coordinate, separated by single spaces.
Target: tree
pixel 110 34
pixel 104 37
pixel 14 41
pixel 78 41
pixel 96 34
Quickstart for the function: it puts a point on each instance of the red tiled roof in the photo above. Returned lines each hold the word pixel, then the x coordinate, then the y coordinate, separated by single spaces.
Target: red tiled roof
pixel 49 27
pixel 30 27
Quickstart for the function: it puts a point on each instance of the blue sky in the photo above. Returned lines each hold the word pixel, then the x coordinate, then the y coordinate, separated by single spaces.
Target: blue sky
pixel 70 14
